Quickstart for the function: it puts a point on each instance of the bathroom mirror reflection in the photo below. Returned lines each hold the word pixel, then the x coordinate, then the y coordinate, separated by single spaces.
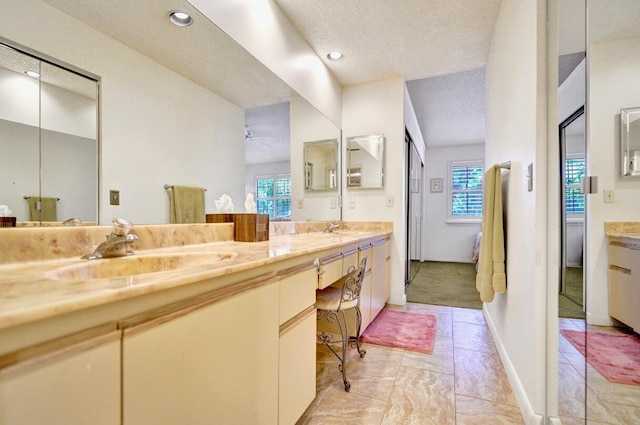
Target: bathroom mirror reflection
pixel 320 165
pixel 194 103
pixel 365 161
pixel 630 142
pixel 48 140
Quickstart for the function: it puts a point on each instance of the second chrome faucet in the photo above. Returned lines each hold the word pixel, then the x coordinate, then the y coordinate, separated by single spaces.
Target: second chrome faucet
pixel 117 241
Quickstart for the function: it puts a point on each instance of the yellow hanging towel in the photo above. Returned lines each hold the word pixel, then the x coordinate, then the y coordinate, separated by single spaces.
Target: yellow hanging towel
pixel 491 277
pixel 42 208
pixel 187 205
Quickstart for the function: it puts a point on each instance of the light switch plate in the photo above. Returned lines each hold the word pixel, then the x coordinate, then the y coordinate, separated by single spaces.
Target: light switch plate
pixel 114 197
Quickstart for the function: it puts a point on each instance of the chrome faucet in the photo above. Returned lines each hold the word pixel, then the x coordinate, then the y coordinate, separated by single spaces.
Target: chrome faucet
pixel 331 227
pixel 116 243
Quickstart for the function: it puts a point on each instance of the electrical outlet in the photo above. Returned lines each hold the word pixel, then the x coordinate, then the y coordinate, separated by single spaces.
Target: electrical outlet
pixel 114 197
pixel 300 204
pixel 609 197
pixel 352 203
pixel 333 203
pixel 389 201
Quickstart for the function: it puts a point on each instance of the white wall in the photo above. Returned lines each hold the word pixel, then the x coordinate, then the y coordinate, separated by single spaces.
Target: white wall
pixel 309 125
pixel 157 127
pixel 443 241
pixel 377 108
pixel 613 84
pixel 264 31
pixel 412 125
pixel 516 130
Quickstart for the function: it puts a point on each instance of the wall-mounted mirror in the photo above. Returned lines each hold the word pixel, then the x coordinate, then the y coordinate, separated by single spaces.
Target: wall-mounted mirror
pixel 185 102
pixel 365 161
pixel 630 142
pixel 48 140
pixel 321 165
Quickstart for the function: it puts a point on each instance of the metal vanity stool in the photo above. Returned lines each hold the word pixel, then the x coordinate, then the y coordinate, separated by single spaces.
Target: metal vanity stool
pixel 333 303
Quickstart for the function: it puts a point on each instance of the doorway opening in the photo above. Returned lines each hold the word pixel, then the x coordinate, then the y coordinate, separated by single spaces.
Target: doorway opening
pixel 572 210
pixel 415 186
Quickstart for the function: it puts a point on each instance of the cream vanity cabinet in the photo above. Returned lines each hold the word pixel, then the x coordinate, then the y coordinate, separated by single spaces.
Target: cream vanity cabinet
pixel 241 355
pixel 364 251
pixel 71 380
pixel 214 361
pixel 297 343
pixel 624 281
pixel 381 285
pixel 375 285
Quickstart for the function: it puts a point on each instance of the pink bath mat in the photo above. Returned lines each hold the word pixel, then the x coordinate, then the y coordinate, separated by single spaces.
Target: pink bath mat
pixel 615 356
pixel 401 329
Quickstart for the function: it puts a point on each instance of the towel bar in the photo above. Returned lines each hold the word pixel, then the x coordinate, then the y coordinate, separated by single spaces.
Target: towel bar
pixel 505 165
pixel 29 197
pixel 169 187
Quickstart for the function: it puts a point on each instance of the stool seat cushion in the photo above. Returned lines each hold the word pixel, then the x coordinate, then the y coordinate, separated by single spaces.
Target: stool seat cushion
pixel 329 299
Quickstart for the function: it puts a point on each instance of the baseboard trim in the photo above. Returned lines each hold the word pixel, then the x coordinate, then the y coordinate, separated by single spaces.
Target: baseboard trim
pixel 398 301
pixel 600 320
pixel 530 417
pixel 554 421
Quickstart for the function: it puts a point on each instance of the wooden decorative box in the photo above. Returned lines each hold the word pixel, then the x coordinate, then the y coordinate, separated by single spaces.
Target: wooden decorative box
pixel 11 222
pixel 247 227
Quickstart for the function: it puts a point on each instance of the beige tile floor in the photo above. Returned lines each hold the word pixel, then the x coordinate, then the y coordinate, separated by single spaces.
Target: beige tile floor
pixel 607 403
pixel 462 382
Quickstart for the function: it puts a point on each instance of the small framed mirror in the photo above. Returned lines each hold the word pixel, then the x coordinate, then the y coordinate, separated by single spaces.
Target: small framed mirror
pixel 630 142
pixel 365 161
pixel 321 165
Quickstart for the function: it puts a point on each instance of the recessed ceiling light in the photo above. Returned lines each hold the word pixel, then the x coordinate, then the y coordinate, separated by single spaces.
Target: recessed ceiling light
pixel 335 56
pixel 180 19
pixel 32 74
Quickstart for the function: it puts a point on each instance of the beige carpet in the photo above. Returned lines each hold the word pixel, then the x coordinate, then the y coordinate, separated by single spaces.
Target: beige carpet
pixel 441 283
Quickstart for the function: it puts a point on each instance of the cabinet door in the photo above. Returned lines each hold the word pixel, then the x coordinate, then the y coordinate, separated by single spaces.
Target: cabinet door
pixel 297 368
pixel 365 251
pixel 380 288
pixel 71 384
pixel 621 303
pixel 214 364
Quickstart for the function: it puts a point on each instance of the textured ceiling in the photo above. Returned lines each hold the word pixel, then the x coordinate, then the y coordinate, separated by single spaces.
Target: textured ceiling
pixel 410 38
pixel 200 52
pixel 415 39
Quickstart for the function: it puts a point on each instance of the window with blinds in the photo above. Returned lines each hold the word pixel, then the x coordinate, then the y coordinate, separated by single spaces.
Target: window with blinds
pixel 273 196
pixel 466 189
pixel 573 172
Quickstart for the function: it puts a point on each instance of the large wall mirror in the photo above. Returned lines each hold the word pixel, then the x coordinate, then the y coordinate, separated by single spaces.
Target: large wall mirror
pixel 321 165
pixel 174 106
pixel 48 140
pixel 365 161
pixel 630 142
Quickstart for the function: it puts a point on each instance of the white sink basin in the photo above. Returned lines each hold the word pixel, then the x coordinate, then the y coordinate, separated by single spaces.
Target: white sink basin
pixel 137 264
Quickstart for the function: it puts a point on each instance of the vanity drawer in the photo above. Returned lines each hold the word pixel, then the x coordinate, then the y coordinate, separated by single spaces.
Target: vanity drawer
pixel 330 270
pixel 297 292
pixel 622 256
pixel 349 259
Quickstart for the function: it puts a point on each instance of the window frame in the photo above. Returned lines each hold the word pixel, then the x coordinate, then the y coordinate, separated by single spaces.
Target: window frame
pixel 462 219
pixel 574 217
pixel 275 197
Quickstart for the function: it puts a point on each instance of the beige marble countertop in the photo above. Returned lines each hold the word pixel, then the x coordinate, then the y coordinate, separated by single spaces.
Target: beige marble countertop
pixel 628 230
pixel 35 290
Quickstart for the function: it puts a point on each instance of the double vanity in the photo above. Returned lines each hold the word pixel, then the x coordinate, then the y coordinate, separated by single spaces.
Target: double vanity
pixel 192 328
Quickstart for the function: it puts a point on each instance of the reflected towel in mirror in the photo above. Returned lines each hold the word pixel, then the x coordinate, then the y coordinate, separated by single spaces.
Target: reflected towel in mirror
pixel 187 205
pixel 42 208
